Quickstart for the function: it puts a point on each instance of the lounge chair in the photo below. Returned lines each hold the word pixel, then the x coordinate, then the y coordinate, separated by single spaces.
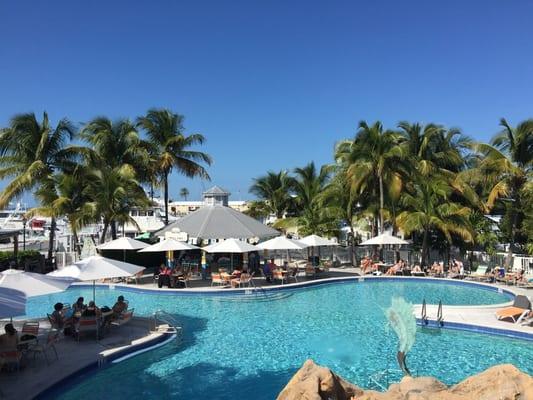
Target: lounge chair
pixel 525 285
pixel 514 312
pixel 480 273
pixel 51 340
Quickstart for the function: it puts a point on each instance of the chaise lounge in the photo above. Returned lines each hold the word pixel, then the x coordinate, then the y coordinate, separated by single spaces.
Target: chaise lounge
pixel 520 307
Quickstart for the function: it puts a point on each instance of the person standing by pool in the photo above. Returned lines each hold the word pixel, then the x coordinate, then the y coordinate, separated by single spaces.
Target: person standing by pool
pixel 78 306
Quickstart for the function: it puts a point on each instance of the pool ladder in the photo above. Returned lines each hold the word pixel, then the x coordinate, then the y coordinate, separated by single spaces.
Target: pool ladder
pixel 170 320
pixel 440 317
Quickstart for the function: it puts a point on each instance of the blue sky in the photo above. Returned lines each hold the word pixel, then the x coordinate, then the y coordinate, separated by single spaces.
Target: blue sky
pixel 272 85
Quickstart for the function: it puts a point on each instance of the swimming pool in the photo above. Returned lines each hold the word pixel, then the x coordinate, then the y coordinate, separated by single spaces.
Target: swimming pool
pixel 234 348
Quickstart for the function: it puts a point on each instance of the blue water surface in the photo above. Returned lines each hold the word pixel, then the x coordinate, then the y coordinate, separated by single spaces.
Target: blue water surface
pixel 238 348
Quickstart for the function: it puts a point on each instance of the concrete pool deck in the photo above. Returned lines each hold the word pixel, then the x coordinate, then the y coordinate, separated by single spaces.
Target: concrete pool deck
pixel 35 376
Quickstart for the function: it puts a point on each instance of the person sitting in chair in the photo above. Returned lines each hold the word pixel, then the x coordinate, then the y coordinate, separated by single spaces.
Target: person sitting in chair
pixel 78 306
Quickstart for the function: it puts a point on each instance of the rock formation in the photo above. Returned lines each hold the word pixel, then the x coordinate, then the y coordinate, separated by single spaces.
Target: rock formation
pixel 501 382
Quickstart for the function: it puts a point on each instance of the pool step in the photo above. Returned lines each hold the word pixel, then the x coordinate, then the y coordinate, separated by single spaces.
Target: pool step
pixel 252 296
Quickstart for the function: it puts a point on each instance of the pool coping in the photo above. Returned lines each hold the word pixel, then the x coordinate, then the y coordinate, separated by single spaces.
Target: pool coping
pixel 149 342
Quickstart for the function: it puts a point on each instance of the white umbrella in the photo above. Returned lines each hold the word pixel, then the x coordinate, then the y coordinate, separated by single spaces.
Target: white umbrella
pixel 71 271
pixel 316 241
pixel 33 284
pixel 123 243
pixel 231 246
pixel 384 238
pixel 168 245
pixel 282 243
pixel 12 303
pixel 98 267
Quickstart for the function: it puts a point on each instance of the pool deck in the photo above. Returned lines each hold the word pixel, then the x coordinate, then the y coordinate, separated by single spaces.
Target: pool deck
pixel 35 375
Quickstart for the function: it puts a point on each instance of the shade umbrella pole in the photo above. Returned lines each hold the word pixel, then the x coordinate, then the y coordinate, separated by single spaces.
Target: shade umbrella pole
pixel 94 290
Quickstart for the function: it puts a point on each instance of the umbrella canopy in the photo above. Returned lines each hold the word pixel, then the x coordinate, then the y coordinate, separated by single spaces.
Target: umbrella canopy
pixel 32 284
pixel 316 241
pixel 219 222
pixel 231 246
pixel 97 267
pixel 169 245
pixel 384 238
pixel 12 303
pixel 72 271
pixel 282 243
pixel 123 243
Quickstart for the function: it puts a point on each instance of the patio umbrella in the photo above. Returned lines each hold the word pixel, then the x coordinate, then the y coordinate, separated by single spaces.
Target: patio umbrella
pixel 123 243
pixel 12 303
pixel 98 267
pixel 71 271
pixel 32 284
pixel 384 238
pixel 282 243
pixel 231 246
pixel 168 245
pixel 317 241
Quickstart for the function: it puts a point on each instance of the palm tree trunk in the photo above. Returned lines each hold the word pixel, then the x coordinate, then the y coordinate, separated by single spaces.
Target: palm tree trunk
pixel 166 197
pixel 51 238
pixel 352 246
pixel 424 248
pixel 76 242
pixel 381 204
pixel 113 230
pixel 104 232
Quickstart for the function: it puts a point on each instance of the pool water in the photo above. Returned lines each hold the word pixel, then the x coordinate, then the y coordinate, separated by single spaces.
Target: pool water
pixel 234 348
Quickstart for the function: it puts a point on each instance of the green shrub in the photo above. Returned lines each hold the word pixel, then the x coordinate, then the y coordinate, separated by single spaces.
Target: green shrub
pixel 6 256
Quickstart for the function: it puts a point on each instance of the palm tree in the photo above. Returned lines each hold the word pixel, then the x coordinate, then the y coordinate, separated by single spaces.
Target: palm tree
pixel 506 168
pixel 171 148
pixel 373 158
pixel 115 144
pixel 429 208
pixel 274 189
pixel 184 193
pixel 31 152
pixel 113 192
pixel 65 195
pixel 307 185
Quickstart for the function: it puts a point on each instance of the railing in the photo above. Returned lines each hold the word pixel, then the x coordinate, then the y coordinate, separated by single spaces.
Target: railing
pixel 164 317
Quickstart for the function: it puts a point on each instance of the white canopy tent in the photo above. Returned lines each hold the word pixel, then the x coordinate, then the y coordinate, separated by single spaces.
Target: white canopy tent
pixel 12 303
pixel 32 284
